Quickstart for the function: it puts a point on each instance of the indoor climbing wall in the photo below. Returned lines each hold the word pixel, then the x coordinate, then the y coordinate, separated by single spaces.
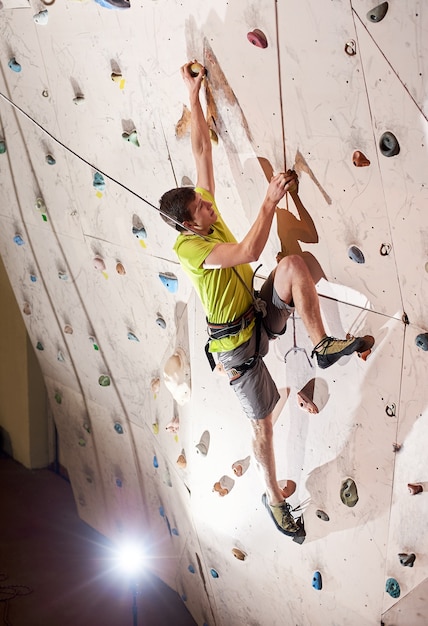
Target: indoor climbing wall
pixel 94 127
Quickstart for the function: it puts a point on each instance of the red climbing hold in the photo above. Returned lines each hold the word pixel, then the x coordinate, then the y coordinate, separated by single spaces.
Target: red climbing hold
pixel 257 38
pixel 414 488
pixel 359 159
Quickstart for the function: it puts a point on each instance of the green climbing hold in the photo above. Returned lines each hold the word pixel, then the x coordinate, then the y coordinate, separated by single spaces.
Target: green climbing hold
pixel 58 397
pixel 104 381
pixel 393 588
pixel 39 346
pixel 2 146
pixel 50 160
pixel 132 137
pixel 349 493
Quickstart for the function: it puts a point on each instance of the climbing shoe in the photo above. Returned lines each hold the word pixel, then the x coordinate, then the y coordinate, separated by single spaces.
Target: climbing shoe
pixel 329 350
pixel 281 516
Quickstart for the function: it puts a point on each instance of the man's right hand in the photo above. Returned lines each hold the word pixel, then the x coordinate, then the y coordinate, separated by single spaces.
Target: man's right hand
pixel 193 83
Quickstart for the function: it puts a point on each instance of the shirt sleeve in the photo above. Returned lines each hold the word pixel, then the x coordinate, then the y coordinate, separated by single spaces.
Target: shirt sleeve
pixel 193 250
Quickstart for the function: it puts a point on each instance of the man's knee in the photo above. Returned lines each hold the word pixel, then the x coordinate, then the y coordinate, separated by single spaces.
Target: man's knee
pixel 290 265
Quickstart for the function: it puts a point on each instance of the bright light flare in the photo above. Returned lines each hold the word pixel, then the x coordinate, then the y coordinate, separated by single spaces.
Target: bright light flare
pixel 130 558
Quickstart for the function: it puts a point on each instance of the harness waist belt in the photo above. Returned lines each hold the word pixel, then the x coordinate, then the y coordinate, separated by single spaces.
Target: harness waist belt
pixel 220 331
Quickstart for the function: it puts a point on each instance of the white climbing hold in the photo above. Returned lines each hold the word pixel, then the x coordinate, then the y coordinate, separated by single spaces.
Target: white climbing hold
pixel 176 374
pixel 41 18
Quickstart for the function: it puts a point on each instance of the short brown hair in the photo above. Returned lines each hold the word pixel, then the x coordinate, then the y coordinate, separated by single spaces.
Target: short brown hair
pixel 174 204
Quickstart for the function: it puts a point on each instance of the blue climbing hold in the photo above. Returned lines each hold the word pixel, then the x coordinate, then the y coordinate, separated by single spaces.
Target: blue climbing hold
pixel 175 532
pixel 114 4
pixel 14 65
pixel 18 240
pixel 317 581
pixel 50 160
pixel 393 588
pixel 191 569
pixel 161 511
pixel 132 337
pixel 422 341
pixel 118 428
pixel 33 278
pixel 99 182
pixel 214 573
pixel 155 462
pixel 118 482
pixel 169 280
pixel 356 255
pixel 140 233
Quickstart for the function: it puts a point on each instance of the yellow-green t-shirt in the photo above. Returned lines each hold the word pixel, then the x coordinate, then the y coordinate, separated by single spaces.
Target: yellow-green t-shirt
pixel 223 296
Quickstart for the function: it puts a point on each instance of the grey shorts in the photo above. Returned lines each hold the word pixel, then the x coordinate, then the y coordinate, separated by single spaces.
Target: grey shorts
pixel 255 388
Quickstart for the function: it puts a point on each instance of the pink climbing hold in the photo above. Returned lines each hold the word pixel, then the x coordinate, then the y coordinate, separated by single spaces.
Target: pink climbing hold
pixel 257 38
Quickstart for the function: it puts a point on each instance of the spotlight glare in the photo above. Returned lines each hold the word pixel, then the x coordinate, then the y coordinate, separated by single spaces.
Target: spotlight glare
pixel 130 558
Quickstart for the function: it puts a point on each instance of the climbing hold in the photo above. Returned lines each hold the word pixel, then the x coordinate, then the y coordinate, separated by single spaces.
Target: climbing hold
pixel 385 249
pixel 257 38
pixel 191 569
pixel 155 385
pixel 26 309
pixel 79 99
pixel 378 13
pixel 405 319
pixel 94 343
pixel 183 597
pixel 132 137
pixel 224 486
pixel 99 182
pixel 161 511
pixel 392 587
pixel 155 462
pixel 18 240
pixel 60 357
pixel 239 554
pixel 240 467
pixel 62 275
pixel 14 65
pixel 87 427
pixel 175 532
pixel 114 4
pixel 213 136
pixel 415 488
pixel 140 233
pixel 214 573
pixel 118 428
pixel 348 492
pixel 82 442
pixel 174 425
pixel 176 374
pixel 33 278
pixel 195 69
pixel 204 443
pixel 390 410
pixel 41 18
pixel 45 93
pixel 169 280
pixel 359 159
pixel 155 428
pixel 40 205
pixel 355 254
pixel 58 397
pixel 167 478
pixel 422 341
pixel 389 145
pixel 132 337
pixel 407 560
pixel 50 160
pixel 351 48
pixel 120 269
pixel 160 322
pixel 104 380
pixel 2 146
pixel 99 264
pixel 39 346
pixel 317 581
pixel 181 461
pixel 68 329
pixel 322 515
pixel 396 447
pixel 118 482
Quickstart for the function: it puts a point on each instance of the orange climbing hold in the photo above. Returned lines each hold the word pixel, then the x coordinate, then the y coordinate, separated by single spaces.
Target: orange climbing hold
pixel 359 159
pixel 222 491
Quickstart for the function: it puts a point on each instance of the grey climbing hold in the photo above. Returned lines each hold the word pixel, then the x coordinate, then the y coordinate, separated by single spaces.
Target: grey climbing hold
pixel 50 160
pixel 349 493
pixel 161 322
pixel 322 515
pixel 407 560
pixel 422 341
pixel 378 13
pixel 79 99
pixel 104 380
pixel 14 65
pixel 26 309
pixel 317 581
pixel 169 280
pixel 393 588
pixel 41 17
pixel 99 182
pixel 388 144
pixel 118 428
pixel 62 275
pixel 204 443
pixel 132 337
pixel 356 255
pixel 60 357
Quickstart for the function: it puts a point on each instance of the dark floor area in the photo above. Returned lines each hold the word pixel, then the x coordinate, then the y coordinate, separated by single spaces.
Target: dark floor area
pixel 52 565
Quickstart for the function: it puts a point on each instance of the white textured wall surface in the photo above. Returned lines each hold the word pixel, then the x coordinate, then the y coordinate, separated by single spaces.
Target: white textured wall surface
pixel 330 82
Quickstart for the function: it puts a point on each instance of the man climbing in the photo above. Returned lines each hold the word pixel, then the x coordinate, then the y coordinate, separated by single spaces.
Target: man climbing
pixel 240 324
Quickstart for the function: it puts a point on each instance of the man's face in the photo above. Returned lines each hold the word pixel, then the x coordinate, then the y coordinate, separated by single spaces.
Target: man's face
pixel 202 214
